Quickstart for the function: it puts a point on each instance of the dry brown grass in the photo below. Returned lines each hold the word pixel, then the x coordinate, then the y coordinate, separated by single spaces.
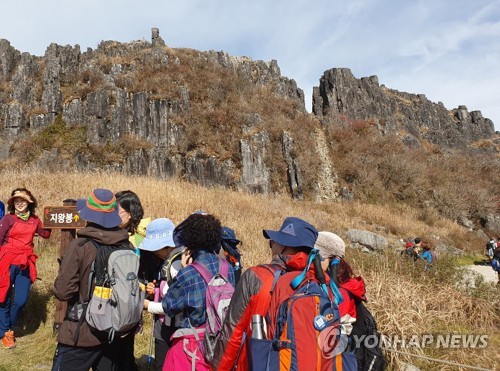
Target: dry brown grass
pixel 404 300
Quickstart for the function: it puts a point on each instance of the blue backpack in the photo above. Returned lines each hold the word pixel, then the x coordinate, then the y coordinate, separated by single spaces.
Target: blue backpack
pixel 495 264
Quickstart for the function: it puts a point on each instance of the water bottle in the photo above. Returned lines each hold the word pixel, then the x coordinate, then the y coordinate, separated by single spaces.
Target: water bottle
pixel 258 327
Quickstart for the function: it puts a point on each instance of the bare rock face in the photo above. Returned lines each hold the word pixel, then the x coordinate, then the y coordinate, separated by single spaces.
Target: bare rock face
pixel 255 174
pixel 340 93
pixel 151 131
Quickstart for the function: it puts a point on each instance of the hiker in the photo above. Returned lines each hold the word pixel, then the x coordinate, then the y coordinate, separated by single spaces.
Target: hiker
pixel 230 251
pixel 332 248
pixel 490 246
pixel 131 213
pixel 495 263
pixel 79 347
pixel 290 248
pixel 427 255
pixel 17 259
pixel 159 240
pixel 417 248
pixel 409 250
pixel 356 320
pixel 2 209
pixel 200 234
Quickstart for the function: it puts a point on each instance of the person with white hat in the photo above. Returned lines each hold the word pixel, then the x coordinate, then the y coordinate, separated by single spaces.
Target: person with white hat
pixel 159 240
pixel 332 248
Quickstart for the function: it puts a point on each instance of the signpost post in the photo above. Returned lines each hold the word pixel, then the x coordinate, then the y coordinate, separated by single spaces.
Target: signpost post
pixel 66 219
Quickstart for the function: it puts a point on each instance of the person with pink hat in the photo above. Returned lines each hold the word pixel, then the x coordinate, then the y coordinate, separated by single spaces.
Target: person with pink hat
pixel 17 259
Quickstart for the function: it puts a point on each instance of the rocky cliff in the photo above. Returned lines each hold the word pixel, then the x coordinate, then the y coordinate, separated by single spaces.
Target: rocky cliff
pixel 415 117
pixel 144 108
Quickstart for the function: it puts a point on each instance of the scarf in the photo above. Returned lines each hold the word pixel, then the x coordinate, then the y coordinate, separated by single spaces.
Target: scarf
pixel 23 216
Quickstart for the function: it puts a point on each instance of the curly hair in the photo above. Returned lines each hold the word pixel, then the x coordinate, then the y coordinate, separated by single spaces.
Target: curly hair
pixel 201 231
pixel 31 206
pixel 129 201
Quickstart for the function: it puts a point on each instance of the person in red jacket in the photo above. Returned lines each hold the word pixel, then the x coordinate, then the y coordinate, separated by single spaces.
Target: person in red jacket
pixel 289 248
pixel 17 259
pixel 332 248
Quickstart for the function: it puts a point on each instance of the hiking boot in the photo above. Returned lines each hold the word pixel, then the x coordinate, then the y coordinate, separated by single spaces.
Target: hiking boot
pixel 9 340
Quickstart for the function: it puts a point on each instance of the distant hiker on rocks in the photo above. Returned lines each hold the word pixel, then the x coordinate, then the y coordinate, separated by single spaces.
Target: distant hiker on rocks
pixel 490 246
pixel 417 247
pixel 427 255
pixel 17 259
pixel 495 262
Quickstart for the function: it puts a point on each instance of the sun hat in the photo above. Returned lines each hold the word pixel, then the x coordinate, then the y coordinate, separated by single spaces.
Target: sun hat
pixel 20 194
pixel 228 235
pixel 159 234
pixel 140 231
pixel 294 232
pixel 329 244
pixel 100 208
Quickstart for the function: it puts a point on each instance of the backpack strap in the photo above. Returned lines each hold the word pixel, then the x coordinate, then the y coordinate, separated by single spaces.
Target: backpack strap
pixel 205 273
pixel 174 255
pixel 84 303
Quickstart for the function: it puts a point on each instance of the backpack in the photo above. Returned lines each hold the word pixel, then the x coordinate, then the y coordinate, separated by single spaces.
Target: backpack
pixel 365 339
pixel 166 271
pixel 229 245
pixel 217 298
pixel 495 264
pixel 115 306
pixel 433 257
pixel 303 328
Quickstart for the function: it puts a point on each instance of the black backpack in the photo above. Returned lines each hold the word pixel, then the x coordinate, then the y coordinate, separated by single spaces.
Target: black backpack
pixel 368 352
pixel 229 245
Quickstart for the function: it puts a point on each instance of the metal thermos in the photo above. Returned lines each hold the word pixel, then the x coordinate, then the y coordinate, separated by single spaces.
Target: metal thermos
pixel 258 331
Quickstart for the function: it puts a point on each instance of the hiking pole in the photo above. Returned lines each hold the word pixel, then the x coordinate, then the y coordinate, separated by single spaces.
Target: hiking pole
pixel 150 354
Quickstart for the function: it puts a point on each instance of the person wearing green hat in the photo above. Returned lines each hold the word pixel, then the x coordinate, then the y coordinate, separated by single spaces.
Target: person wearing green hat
pixel 79 348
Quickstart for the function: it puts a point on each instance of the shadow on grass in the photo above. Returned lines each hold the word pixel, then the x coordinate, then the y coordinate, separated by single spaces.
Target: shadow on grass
pixel 34 314
pixel 484 261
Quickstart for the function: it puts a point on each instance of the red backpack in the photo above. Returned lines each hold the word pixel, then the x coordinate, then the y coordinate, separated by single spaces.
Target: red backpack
pixel 303 328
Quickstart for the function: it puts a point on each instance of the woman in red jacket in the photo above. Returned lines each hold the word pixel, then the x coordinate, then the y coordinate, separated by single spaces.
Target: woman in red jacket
pixel 332 249
pixel 17 260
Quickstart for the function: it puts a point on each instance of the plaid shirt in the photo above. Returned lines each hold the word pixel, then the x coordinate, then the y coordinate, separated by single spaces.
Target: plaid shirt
pixel 186 295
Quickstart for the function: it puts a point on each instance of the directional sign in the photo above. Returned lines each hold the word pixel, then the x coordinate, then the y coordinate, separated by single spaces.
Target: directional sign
pixel 62 217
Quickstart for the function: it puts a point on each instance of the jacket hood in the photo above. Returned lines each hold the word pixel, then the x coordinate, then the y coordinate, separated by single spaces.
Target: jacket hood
pixel 105 236
pixel 356 286
pixel 298 262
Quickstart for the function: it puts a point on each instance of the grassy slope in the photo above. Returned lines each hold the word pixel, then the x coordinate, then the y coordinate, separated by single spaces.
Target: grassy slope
pixel 404 300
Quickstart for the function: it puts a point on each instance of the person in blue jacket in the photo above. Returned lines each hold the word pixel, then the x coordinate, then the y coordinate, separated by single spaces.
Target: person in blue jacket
pixel 427 255
pixel 2 209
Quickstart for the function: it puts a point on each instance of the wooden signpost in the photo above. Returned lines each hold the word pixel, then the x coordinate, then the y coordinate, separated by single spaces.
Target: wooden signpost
pixel 62 217
pixel 66 219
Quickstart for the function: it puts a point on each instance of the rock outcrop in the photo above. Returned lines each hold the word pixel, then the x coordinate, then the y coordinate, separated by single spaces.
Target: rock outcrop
pixel 341 96
pixel 191 114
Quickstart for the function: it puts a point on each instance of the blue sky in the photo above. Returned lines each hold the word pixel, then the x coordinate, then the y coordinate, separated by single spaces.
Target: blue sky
pixel 448 50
